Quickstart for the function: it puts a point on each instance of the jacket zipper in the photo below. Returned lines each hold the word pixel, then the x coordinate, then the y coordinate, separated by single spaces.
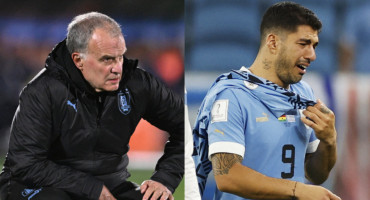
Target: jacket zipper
pixel 100 109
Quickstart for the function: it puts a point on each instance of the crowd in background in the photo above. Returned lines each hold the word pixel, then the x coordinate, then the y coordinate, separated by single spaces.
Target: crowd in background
pixel 222 35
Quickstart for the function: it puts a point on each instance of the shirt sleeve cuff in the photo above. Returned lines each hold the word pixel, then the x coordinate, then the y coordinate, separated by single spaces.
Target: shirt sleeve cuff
pixel 226 147
pixel 312 146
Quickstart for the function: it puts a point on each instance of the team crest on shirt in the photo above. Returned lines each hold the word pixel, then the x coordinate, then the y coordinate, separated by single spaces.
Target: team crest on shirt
pixel 250 85
pixel 124 101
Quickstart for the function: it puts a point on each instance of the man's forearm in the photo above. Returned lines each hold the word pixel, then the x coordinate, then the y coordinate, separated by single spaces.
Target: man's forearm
pixel 257 185
pixel 232 177
pixel 319 164
pixel 170 167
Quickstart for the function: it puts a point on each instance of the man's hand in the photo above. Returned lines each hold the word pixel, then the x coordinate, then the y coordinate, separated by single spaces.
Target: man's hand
pixel 312 192
pixel 323 122
pixel 156 190
pixel 106 195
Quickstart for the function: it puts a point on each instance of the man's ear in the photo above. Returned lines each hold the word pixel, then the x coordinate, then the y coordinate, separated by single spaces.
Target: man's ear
pixel 272 43
pixel 77 59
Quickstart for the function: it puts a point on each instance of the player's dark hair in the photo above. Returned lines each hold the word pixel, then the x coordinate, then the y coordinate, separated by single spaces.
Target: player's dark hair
pixel 288 16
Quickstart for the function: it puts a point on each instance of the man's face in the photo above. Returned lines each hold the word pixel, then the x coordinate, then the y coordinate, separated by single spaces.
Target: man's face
pixel 101 66
pixel 296 53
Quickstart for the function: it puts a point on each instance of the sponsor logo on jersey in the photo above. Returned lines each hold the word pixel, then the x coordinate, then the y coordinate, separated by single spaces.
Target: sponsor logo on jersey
pixel 124 102
pixel 26 192
pixel 73 105
pixel 30 192
pixel 263 119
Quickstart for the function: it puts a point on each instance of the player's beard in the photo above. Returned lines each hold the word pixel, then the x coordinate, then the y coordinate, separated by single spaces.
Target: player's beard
pixel 285 69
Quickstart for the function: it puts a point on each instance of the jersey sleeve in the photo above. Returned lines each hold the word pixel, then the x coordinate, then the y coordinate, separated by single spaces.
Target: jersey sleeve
pixel 313 143
pixel 226 127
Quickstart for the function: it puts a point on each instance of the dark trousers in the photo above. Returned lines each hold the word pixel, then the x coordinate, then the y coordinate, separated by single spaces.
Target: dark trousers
pixel 126 191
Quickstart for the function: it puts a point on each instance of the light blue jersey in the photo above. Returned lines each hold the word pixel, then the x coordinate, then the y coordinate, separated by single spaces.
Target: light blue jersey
pixel 254 118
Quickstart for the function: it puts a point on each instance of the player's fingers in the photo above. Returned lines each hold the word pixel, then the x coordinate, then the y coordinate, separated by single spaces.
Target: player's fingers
pixel 170 197
pixel 320 104
pixel 144 186
pixel 166 195
pixel 312 116
pixel 324 121
pixel 322 107
pixel 318 117
pixel 334 197
pixel 148 193
pixel 156 194
pixel 309 123
pixel 313 110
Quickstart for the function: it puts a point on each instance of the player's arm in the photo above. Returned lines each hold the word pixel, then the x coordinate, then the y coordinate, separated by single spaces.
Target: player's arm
pixel 233 177
pixel 319 163
pixel 166 112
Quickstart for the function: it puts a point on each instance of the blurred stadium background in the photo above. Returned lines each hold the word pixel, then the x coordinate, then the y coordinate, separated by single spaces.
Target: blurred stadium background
pixel 154 33
pixel 221 35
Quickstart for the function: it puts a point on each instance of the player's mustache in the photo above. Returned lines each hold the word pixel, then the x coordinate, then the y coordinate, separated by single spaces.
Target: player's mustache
pixel 117 76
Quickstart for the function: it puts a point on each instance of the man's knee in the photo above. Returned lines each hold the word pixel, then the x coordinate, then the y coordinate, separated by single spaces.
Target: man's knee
pixel 52 193
pixel 128 191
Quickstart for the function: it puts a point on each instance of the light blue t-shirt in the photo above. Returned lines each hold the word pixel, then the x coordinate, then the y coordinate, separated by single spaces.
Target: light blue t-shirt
pixel 270 141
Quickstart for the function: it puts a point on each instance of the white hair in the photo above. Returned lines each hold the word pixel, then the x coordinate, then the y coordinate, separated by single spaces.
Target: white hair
pixel 82 27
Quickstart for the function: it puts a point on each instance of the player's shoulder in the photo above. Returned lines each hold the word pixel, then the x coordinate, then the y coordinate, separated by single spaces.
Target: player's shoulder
pixel 233 92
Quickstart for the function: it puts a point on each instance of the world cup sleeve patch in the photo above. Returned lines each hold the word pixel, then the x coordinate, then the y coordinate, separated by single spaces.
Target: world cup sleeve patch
pixel 219 110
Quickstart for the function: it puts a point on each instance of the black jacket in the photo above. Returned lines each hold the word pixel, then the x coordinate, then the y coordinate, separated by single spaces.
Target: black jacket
pixel 66 135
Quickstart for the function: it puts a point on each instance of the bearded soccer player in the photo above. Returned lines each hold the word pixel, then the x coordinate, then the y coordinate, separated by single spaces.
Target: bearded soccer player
pixel 260 128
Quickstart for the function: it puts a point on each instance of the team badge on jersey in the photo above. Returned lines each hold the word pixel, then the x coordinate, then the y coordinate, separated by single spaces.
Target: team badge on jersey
pixel 250 85
pixel 124 102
